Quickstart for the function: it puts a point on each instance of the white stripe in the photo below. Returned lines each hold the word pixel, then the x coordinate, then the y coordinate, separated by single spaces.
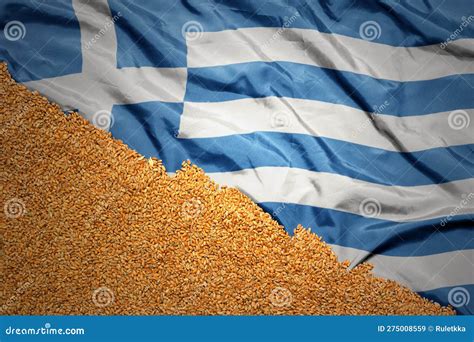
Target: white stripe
pixel 333 191
pixel 419 273
pixel 122 86
pixel 321 119
pixel 330 51
pixel 101 85
pixel 98 42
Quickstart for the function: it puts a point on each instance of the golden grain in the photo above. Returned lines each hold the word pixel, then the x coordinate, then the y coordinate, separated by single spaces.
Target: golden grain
pixel 103 231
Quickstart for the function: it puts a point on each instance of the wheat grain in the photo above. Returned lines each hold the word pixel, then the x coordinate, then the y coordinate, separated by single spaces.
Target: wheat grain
pixel 105 231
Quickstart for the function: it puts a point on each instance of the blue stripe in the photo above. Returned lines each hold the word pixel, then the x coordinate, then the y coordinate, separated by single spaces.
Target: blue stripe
pixel 51 45
pixel 441 295
pixel 150 34
pixel 284 79
pixel 149 128
pixel 375 235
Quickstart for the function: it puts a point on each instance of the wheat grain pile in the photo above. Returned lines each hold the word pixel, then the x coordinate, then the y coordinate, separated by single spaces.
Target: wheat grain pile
pixel 89 226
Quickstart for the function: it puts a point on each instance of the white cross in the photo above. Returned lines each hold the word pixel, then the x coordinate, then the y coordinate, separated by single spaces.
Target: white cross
pixel 100 85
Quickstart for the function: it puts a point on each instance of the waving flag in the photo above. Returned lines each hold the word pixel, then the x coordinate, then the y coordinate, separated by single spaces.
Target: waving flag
pixel 354 118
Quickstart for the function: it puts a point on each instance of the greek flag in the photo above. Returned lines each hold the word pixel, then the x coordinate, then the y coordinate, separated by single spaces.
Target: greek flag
pixel 354 118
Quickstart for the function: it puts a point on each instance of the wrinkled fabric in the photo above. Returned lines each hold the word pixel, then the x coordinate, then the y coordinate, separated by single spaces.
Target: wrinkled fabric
pixel 353 118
